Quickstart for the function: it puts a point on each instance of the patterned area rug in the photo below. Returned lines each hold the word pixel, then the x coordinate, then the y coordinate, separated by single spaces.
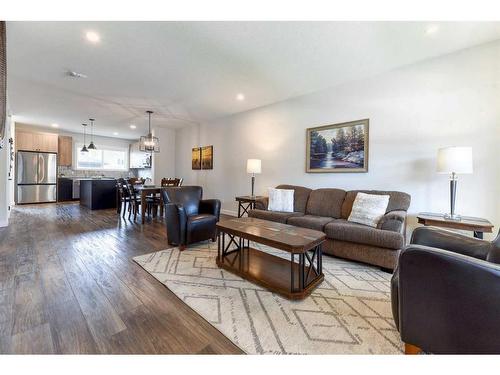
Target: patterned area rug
pixel 349 313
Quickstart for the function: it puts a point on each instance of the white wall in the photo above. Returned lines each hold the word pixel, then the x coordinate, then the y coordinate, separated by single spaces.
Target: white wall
pixel 452 100
pixel 164 161
pixel 6 185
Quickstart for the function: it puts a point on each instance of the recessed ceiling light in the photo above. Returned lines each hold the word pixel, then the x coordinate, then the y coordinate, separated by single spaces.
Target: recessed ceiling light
pixel 133 126
pixel 431 29
pixel 240 97
pixel 55 125
pixel 115 133
pixel 92 37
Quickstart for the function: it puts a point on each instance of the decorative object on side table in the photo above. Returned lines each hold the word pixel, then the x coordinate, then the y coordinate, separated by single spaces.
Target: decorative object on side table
pixel 338 148
pixel 246 203
pixel 207 157
pixel 454 160
pixel 474 224
pixel 196 158
pixel 254 166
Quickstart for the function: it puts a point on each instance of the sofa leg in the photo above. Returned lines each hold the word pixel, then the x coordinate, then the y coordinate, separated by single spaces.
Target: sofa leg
pixel 214 239
pixel 412 349
pixel 182 247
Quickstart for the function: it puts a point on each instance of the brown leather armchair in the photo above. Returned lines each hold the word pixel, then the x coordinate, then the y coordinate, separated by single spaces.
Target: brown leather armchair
pixel 445 293
pixel 188 217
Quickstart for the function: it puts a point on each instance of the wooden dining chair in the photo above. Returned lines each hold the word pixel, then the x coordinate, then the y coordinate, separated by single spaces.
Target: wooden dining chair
pixel 123 197
pixel 170 182
pixel 152 203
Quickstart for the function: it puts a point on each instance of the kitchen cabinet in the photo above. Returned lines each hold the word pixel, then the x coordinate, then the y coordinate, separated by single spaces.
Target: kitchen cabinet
pixel 97 194
pixel 31 141
pixel 65 151
pixel 139 159
pixel 64 189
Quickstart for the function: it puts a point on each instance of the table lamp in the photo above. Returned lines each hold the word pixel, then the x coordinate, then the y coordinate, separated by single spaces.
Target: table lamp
pixel 454 160
pixel 253 167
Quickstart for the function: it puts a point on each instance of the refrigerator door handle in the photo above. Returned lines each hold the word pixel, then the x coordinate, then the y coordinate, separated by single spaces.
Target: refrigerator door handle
pixel 41 168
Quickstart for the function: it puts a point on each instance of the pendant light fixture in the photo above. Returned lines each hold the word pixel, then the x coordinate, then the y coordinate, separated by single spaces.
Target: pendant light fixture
pixel 84 148
pixel 149 143
pixel 92 145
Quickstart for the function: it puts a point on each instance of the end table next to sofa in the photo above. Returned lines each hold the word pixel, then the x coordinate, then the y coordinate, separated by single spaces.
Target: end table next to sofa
pixel 246 203
pixel 474 224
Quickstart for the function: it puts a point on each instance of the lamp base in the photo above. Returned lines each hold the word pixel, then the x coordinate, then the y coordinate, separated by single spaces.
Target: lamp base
pixel 453 217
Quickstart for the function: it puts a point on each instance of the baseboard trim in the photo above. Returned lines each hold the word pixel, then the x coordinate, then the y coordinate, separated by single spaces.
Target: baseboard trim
pixel 229 212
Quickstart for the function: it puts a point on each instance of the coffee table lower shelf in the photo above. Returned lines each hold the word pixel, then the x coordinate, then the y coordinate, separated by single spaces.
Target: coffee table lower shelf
pixel 291 280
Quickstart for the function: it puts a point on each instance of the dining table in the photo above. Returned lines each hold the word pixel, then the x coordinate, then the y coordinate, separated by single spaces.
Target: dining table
pixel 144 191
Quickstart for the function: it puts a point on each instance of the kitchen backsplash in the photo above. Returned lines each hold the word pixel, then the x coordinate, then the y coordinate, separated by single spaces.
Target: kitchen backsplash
pixel 69 172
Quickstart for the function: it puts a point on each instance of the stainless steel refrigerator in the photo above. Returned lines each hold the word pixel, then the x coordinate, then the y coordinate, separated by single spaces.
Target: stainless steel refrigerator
pixel 36 177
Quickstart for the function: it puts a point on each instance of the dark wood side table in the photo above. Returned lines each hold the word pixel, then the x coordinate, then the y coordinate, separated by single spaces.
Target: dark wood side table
pixel 246 203
pixel 474 224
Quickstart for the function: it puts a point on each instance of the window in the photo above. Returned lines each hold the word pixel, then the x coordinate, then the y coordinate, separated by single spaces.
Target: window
pixel 110 159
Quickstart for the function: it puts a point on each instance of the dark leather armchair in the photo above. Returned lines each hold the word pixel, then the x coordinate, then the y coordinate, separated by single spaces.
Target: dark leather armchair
pixel 446 293
pixel 188 217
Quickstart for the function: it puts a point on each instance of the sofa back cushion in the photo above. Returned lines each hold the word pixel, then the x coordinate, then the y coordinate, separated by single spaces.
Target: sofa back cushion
pixel 325 202
pixel 397 201
pixel 300 196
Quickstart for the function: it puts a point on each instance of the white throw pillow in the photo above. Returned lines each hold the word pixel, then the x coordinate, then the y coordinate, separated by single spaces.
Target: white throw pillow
pixel 368 209
pixel 280 200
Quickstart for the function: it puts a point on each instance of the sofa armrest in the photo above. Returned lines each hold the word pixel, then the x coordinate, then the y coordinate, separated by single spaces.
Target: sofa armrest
pixel 262 203
pixel 176 222
pixel 210 206
pixel 448 302
pixel 458 243
pixel 394 221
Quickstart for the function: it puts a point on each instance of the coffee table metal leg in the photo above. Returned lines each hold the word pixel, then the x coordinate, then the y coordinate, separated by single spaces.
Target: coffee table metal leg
pixel 292 273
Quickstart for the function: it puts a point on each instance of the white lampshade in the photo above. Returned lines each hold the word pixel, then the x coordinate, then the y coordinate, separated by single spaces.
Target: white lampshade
pixel 254 166
pixel 454 160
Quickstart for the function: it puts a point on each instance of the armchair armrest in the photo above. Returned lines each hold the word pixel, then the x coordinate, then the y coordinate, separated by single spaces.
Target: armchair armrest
pixel 176 222
pixel 448 302
pixel 394 221
pixel 442 239
pixel 210 206
pixel 262 203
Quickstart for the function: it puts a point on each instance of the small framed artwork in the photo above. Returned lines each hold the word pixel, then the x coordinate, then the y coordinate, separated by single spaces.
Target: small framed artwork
pixel 196 158
pixel 338 148
pixel 207 157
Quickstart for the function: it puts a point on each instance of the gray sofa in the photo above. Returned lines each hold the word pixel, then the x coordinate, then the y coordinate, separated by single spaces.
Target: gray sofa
pixel 327 210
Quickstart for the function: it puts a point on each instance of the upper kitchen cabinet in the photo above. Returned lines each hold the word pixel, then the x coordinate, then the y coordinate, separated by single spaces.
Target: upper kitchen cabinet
pixel 65 151
pixel 139 159
pixel 30 141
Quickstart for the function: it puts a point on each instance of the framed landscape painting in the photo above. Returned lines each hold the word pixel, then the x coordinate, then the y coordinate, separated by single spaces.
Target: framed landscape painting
pixel 196 158
pixel 338 148
pixel 207 157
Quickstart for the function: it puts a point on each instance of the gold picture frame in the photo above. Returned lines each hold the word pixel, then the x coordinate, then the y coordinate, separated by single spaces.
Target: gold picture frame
pixel 207 157
pixel 196 158
pixel 338 148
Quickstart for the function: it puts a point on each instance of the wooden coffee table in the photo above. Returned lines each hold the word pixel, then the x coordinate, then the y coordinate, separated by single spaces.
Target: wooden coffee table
pixel 290 278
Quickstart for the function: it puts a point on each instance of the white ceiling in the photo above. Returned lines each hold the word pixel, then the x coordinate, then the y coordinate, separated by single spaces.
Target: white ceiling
pixel 192 71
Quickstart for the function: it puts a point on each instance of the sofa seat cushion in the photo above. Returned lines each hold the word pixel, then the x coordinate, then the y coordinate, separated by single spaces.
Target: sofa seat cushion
pixel 310 221
pixel 279 217
pixel 344 230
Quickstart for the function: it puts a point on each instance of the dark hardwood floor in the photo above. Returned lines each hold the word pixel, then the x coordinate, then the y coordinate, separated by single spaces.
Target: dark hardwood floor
pixel 68 284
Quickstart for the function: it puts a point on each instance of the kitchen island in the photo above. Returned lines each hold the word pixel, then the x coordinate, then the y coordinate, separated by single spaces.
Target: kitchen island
pixel 98 193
